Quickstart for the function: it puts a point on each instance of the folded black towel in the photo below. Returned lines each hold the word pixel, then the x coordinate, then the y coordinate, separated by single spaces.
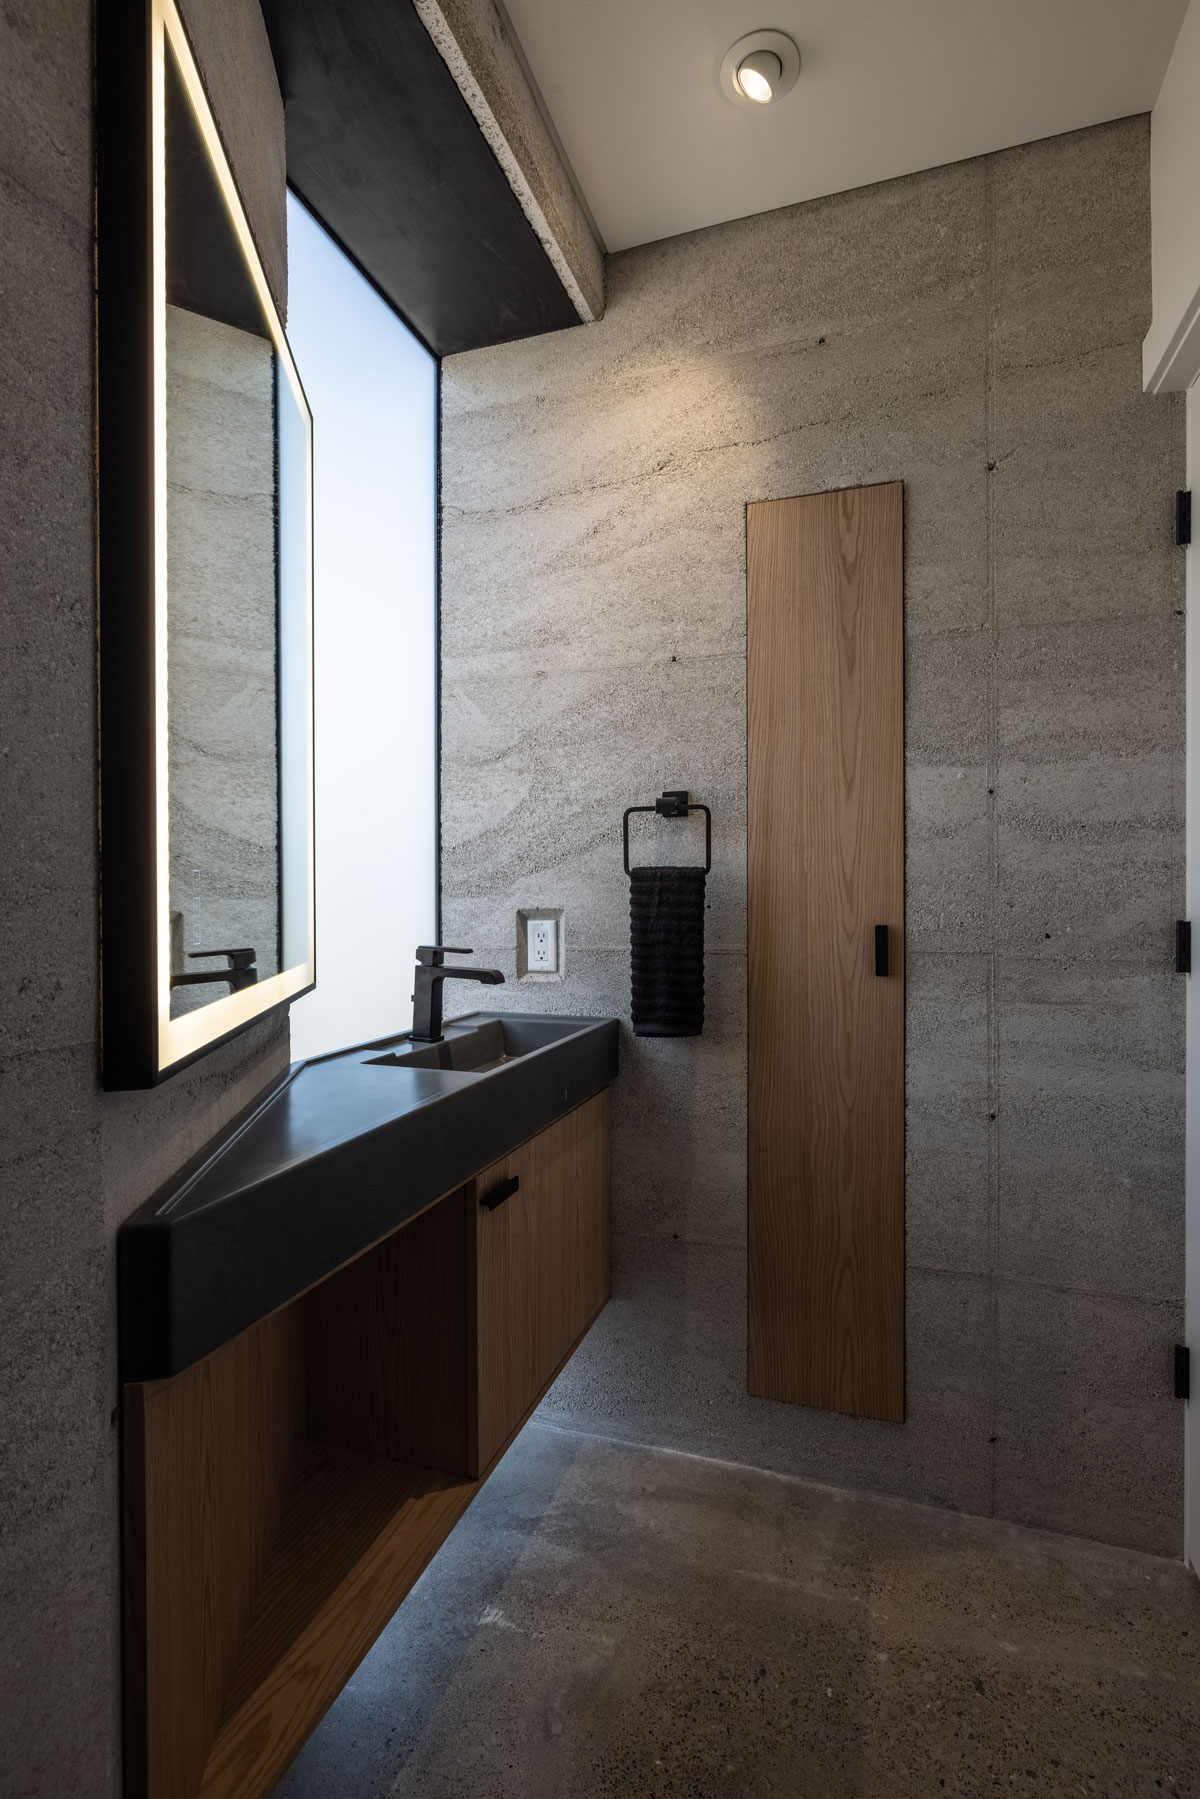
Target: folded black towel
pixel 666 931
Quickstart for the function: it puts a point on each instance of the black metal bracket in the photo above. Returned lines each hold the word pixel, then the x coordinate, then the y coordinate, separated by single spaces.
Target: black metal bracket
pixel 1183 946
pixel 1183 1372
pixel 674 803
pixel 496 1196
pixel 881 949
pixel 1183 517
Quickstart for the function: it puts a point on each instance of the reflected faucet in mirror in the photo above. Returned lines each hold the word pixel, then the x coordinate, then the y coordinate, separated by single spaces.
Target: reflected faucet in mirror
pixel 427 988
pixel 240 973
pixel 206 648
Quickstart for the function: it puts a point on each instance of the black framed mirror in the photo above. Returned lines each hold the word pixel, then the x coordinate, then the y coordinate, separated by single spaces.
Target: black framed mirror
pixel 205 521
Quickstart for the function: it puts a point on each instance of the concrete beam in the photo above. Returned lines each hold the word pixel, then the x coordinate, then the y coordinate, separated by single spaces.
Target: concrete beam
pixel 475 42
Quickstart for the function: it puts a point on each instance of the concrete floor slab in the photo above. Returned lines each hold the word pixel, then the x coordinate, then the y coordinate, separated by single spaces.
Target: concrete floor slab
pixel 617 1621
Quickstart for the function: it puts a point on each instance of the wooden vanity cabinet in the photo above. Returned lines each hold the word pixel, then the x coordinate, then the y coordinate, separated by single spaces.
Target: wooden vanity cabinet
pixel 283 1494
pixel 542 1263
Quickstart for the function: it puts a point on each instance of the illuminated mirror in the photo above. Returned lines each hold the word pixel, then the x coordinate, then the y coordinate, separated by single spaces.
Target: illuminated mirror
pixel 206 634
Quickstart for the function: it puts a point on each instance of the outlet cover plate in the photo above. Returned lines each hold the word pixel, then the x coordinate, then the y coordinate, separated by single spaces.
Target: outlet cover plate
pixel 539 943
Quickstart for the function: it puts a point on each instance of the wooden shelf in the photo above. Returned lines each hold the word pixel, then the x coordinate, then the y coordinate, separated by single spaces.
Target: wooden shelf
pixel 356 1533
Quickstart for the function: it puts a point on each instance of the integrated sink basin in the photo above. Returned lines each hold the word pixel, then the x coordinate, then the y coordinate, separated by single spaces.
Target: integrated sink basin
pixel 479 1047
pixel 329 1160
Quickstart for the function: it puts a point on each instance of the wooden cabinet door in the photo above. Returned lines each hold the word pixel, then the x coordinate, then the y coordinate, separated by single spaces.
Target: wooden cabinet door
pixel 825 766
pixel 541 1267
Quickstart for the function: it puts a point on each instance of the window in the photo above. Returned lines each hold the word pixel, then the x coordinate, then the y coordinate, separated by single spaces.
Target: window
pixel 372 388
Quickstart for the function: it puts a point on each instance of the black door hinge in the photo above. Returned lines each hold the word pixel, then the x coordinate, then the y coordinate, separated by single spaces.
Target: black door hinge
pixel 1183 1372
pixel 1183 516
pixel 1183 946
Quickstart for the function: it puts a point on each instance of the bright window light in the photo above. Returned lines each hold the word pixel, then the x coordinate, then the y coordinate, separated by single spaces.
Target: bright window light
pixel 372 388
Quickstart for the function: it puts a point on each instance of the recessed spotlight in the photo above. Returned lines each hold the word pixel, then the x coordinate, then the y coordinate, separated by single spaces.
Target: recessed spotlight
pixel 760 68
pixel 759 74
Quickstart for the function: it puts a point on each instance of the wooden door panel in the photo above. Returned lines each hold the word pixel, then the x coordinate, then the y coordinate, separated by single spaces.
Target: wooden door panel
pixel 542 1266
pixel 506 1304
pixel 825 755
pixel 591 1271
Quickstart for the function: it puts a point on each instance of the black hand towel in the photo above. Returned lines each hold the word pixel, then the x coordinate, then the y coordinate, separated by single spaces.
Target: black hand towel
pixel 666 931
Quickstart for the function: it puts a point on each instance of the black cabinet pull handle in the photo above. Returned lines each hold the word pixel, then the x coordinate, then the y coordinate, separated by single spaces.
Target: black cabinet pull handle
pixel 496 1196
pixel 881 949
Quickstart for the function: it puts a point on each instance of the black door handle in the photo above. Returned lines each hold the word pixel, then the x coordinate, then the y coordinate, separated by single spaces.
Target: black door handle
pixel 496 1196
pixel 881 949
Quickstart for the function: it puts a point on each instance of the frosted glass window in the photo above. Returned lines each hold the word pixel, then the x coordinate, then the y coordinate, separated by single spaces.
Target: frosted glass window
pixel 372 388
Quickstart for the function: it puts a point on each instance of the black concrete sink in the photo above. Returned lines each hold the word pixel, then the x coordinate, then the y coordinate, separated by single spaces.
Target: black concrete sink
pixel 476 1047
pixel 333 1157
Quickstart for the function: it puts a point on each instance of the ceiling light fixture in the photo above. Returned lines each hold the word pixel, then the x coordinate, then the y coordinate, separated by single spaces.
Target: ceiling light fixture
pixel 760 68
pixel 758 76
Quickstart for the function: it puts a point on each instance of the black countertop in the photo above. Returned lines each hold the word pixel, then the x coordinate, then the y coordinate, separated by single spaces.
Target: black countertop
pixel 333 1157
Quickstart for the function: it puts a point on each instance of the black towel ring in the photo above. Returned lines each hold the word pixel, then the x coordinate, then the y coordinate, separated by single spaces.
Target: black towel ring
pixel 673 804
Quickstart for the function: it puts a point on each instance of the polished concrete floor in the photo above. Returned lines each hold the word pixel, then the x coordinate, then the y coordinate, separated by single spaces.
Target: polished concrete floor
pixel 609 1620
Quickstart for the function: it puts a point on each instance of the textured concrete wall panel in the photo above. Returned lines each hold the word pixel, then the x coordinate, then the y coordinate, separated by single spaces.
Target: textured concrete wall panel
pixel 73 1162
pixel 974 331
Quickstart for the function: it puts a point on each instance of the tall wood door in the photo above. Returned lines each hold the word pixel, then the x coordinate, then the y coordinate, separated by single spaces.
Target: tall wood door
pixel 825 750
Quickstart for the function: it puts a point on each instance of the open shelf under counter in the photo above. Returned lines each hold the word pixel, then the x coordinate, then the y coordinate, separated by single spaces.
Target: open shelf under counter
pixel 283 1493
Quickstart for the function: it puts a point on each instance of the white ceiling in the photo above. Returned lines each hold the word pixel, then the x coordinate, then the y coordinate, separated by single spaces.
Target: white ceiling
pixel 886 87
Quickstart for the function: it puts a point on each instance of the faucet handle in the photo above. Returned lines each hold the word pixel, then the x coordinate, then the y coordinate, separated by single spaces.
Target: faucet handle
pixel 241 959
pixel 430 954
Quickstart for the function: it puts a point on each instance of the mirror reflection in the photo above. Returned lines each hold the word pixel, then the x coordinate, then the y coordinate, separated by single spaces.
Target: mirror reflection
pixel 228 514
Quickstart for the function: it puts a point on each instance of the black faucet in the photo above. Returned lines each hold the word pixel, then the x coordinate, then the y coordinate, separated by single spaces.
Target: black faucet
pixel 240 973
pixel 427 994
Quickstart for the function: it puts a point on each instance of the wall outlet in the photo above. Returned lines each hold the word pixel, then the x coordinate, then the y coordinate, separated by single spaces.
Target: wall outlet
pixel 541 945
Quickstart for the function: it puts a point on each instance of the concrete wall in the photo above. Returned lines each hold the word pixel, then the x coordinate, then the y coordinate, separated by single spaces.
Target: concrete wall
pixel 75 1162
pixel 222 661
pixel 976 331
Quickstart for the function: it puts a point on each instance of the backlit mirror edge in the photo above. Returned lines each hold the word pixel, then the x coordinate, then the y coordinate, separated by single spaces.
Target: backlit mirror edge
pixel 141 1044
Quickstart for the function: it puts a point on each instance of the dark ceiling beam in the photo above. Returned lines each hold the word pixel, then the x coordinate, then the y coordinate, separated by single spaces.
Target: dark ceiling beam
pixel 479 47
pixel 383 148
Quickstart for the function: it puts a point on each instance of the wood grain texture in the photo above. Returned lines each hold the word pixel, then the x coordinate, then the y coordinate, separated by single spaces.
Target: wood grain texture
pixel 358 1532
pixel 282 1496
pixel 542 1267
pixel 825 772
pixel 387 1344
pixel 134 1473
pixel 209 1463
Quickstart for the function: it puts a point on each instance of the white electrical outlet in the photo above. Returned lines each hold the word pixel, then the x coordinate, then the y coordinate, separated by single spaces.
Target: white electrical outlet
pixel 541 945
